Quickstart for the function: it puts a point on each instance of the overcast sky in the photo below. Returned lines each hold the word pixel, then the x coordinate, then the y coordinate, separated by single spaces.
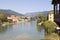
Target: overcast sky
pixel 24 6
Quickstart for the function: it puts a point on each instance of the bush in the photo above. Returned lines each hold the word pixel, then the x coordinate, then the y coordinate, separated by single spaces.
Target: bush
pixel 3 17
pixel 49 26
pixel 52 36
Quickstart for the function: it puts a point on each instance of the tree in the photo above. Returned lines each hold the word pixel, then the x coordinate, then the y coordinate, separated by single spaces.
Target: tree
pixel 3 17
pixel 41 18
pixel 49 26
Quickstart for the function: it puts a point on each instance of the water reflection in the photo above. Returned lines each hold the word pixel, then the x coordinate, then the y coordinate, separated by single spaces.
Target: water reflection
pixel 39 28
pixel 23 31
pixel 3 29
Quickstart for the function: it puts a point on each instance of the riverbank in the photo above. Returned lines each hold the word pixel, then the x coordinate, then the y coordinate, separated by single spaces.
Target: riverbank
pixel 6 24
pixel 52 36
pixel 50 29
pixel 12 23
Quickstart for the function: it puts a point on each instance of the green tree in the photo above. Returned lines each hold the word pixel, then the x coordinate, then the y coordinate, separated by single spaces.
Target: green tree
pixel 3 17
pixel 41 18
pixel 49 26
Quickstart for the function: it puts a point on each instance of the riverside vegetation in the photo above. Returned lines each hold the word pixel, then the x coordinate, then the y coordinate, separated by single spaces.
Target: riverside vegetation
pixel 50 27
pixel 3 20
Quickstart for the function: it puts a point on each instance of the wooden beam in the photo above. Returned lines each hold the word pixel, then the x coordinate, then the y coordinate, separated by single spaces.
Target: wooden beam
pixel 55 2
pixel 54 9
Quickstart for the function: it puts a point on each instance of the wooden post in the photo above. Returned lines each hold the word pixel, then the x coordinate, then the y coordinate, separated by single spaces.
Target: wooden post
pixel 56 9
pixel 59 8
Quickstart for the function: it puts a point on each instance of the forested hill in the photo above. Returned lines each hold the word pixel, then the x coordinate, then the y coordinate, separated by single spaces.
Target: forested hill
pixel 11 12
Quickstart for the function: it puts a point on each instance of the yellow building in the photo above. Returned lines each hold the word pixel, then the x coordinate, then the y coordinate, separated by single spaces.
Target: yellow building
pixel 51 16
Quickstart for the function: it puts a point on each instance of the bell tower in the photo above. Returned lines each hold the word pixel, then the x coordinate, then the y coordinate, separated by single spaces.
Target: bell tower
pixel 51 16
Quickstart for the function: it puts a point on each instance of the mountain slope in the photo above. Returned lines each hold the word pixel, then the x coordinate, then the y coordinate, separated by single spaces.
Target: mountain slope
pixel 34 14
pixel 4 11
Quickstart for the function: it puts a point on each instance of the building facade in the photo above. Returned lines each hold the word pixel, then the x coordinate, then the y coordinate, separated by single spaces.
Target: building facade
pixel 51 16
pixel 18 18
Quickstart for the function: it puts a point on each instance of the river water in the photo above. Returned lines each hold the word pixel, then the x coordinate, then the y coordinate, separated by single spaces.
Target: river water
pixel 22 31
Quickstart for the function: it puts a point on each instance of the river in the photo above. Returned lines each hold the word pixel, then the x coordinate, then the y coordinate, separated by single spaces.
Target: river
pixel 22 31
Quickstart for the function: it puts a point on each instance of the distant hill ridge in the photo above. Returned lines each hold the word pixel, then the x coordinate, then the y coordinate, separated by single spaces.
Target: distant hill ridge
pixel 34 14
pixel 30 14
pixel 11 12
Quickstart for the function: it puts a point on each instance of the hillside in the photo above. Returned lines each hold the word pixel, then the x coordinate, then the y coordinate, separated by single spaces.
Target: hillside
pixel 10 12
pixel 34 14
